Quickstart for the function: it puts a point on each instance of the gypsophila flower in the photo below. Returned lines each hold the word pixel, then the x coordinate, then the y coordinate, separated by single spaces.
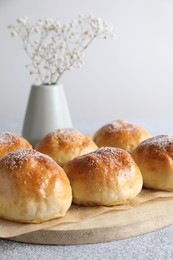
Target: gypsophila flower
pixel 54 48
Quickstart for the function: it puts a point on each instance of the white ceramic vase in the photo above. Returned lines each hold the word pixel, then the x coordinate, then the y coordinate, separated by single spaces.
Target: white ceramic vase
pixel 47 110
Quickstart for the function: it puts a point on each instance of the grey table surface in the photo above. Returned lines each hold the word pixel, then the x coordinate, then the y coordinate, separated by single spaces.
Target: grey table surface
pixel 156 245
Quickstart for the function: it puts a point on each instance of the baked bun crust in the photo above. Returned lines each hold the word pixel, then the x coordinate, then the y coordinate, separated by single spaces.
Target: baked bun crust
pixel 155 160
pixel 10 142
pixel 33 188
pixel 120 134
pixel 64 145
pixel 108 176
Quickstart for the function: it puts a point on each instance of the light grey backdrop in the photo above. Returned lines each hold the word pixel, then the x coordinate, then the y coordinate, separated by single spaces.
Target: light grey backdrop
pixel 129 78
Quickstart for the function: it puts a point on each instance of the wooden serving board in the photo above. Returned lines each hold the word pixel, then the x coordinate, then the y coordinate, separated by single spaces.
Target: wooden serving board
pixel 112 225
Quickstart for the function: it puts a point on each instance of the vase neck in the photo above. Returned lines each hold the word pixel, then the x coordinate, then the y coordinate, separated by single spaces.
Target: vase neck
pixel 46 86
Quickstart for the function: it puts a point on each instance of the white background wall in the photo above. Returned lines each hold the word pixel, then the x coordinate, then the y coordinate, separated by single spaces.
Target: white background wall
pixel 129 78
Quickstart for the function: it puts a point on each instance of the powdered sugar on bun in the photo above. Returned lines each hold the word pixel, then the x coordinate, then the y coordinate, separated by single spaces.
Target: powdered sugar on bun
pixel 10 142
pixel 33 187
pixel 65 144
pixel 155 160
pixel 108 176
pixel 121 134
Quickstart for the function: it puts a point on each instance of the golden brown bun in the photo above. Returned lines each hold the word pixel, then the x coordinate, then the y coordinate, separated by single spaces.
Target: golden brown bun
pixel 10 142
pixel 108 176
pixel 120 134
pixel 64 145
pixel 155 160
pixel 33 188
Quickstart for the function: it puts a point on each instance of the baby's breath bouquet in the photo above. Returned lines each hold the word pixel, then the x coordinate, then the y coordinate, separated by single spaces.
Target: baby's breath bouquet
pixel 54 48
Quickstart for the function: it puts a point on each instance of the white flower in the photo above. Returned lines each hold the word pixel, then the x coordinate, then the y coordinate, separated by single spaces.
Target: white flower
pixel 62 46
pixel 13 34
pixel 36 29
pixel 22 20
pixel 54 48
